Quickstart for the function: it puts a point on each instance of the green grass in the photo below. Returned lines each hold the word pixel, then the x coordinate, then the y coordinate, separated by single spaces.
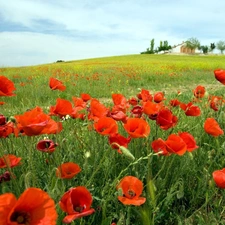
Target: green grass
pixel 178 189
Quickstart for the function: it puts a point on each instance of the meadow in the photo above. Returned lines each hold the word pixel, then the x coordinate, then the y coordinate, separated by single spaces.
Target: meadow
pixel 135 139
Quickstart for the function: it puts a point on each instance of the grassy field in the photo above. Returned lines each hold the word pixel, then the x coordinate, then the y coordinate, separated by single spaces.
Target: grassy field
pixel 178 185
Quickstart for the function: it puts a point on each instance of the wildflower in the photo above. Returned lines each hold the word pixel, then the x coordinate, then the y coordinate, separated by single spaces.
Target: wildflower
pixel 137 127
pixel 9 160
pixel 35 122
pixel 56 84
pixel 76 203
pixel 78 113
pixel 131 188
pixel 215 102
pixel 159 146
pixel 145 95
pixel 133 101
pixel 85 97
pixel 46 145
pixel 137 111
pixel 199 91
pixel 97 110
pixel 220 75
pixel 6 176
pixel 158 97
pixel 6 128
pixel 190 109
pixel 151 109
pixel 106 126
pixel 67 170
pixel 219 178
pixel 62 108
pixel 212 127
pixel 34 206
pixel 189 140
pixel 165 119
pixel 6 87
pixel 119 140
pixel 175 144
pixel 120 103
pixel 174 102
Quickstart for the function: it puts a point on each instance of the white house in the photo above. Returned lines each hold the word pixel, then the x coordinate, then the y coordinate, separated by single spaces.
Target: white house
pixel 181 48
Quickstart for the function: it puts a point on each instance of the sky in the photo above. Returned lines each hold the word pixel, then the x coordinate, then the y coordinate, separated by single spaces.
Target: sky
pixel 34 32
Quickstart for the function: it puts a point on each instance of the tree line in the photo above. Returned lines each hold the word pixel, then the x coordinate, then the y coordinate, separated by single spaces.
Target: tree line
pixel 191 43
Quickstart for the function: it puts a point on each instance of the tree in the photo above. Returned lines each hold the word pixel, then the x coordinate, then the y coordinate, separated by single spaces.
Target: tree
pixel 212 47
pixel 164 46
pixel 221 46
pixel 152 43
pixel 205 49
pixel 193 43
pixel 151 49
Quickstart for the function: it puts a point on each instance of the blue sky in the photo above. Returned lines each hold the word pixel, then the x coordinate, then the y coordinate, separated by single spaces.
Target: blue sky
pixel 34 32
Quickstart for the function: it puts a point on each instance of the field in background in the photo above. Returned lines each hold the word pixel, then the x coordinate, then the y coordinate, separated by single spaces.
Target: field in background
pixel 179 189
pixel 123 74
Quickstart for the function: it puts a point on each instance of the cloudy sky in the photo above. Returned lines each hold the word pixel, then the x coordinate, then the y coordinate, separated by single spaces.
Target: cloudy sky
pixel 34 32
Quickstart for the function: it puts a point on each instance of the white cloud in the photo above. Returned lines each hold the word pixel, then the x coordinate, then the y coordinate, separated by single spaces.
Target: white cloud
pixel 91 28
pixel 18 49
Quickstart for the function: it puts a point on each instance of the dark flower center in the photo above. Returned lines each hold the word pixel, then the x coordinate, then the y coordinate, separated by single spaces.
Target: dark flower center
pixel 20 218
pixel 130 194
pixel 47 144
pixel 80 208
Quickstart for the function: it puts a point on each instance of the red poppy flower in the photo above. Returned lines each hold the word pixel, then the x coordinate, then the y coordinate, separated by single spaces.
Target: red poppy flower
pixel 2 103
pixel 219 178
pixel 46 146
pixel 175 144
pixel 33 207
pixel 6 128
pixel 56 84
pixel 6 176
pixel 158 97
pixel 220 75
pixel 67 170
pixel 97 110
pixel 174 102
pixel 62 108
pixel 165 119
pixel 6 87
pixel 78 113
pixel 35 122
pixel 189 140
pixel 137 127
pixel 190 109
pixel 159 145
pixel 137 111
pixel 145 95
pixel 199 91
pixel 76 203
pixel 85 97
pixel 9 160
pixel 79 102
pixel 106 126
pixel 131 188
pixel 120 102
pixel 119 140
pixel 212 127
pixel 118 115
pixel 215 102
pixel 151 109
pixel 133 101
